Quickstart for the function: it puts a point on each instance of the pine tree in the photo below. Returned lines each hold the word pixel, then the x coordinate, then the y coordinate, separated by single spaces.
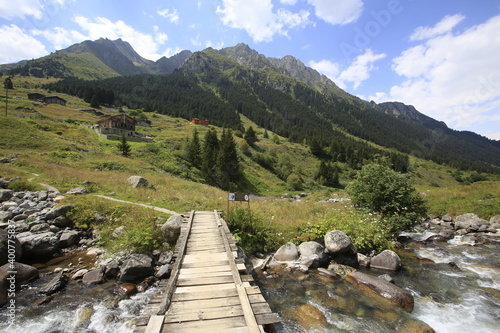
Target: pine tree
pixel 124 146
pixel 228 164
pixel 209 156
pixel 250 136
pixel 7 83
pixel 94 103
pixel 193 150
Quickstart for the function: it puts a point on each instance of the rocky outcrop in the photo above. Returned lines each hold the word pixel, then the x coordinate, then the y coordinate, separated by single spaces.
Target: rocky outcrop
pixel 383 288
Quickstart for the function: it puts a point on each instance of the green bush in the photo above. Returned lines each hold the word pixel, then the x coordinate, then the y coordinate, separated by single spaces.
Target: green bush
pixel 384 191
pixel 251 231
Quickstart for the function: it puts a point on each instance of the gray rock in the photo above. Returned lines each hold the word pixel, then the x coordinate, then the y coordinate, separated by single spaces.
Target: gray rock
pixel 364 261
pixel 163 272
pixel 337 241
pixel 112 269
pixel 59 211
pixel 383 288
pixel 68 238
pixel 287 252
pixel 24 273
pixel 469 221
pixel 39 228
pixel 57 283
pixel 5 195
pixel 43 195
pixel 172 229
pixel 5 216
pixel 4 247
pixel 135 267
pixel 312 254
pixel 118 231
pixel 386 277
pixel 94 276
pixel 79 274
pixel 387 260
pixel 165 257
pixel 38 245
pixel 447 218
pixel 62 222
pixel 495 222
pixel 77 191
pixel 138 181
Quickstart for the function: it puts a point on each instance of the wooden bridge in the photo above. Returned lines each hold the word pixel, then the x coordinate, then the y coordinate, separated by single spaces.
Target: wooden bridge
pixel 207 290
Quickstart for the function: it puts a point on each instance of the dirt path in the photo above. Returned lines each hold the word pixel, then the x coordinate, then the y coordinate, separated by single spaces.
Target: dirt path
pixel 159 209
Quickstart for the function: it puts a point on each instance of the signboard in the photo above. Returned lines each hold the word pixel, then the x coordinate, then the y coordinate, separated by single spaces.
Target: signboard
pixel 238 197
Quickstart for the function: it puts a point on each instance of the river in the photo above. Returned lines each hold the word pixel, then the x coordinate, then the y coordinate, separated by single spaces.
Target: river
pixel 456 286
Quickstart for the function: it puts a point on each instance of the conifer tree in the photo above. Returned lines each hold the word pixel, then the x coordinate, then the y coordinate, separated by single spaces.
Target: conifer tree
pixel 228 163
pixel 209 156
pixel 250 136
pixel 193 150
pixel 124 146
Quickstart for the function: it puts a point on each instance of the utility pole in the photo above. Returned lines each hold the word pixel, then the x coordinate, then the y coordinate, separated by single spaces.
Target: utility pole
pixel 6 98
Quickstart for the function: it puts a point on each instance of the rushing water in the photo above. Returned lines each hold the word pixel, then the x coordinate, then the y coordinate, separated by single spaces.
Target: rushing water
pixel 456 286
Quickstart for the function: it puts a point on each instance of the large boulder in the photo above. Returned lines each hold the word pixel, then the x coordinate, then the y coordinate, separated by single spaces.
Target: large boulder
pixel 94 276
pixel 38 245
pixel 15 251
pixel 68 238
pixel 287 252
pixel 340 248
pixel 172 229
pixel 312 254
pixel 138 181
pixel 495 221
pixel 469 221
pixel 337 241
pixel 24 273
pixel 135 267
pixel 386 260
pixel 77 191
pixel 383 288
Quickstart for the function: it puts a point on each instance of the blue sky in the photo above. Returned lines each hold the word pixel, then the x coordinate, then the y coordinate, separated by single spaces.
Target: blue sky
pixel 442 56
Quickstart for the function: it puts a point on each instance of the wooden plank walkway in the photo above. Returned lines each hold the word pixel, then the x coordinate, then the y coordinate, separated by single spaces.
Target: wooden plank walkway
pixel 205 291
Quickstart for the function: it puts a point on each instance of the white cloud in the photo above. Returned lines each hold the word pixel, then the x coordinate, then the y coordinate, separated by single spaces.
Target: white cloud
pixel 20 8
pixel 444 26
pixel 289 2
pixel 357 72
pixel 59 38
pixel 171 15
pixel 16 45
pixel 145 44
pixel 338 11
pixel 259 20
pixel 455 78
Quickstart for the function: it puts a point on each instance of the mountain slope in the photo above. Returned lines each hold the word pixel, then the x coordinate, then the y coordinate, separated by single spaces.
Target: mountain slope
pixel 282 95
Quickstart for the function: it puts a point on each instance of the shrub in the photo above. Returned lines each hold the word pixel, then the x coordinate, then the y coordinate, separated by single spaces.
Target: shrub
pixel 22 185
pixel 384 191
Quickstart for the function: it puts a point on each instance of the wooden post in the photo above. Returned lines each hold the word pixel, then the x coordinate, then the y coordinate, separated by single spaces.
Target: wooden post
pixel 6 99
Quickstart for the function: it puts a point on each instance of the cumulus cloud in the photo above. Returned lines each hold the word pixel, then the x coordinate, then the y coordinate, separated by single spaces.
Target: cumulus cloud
pixel 21 9
pixel 455 78
pixel 60 38
pixel 357 72
pixel 17 45
pixel 444 26
pixel 339 11
pixel 171 15
pixel 259 20
pixel 146 45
